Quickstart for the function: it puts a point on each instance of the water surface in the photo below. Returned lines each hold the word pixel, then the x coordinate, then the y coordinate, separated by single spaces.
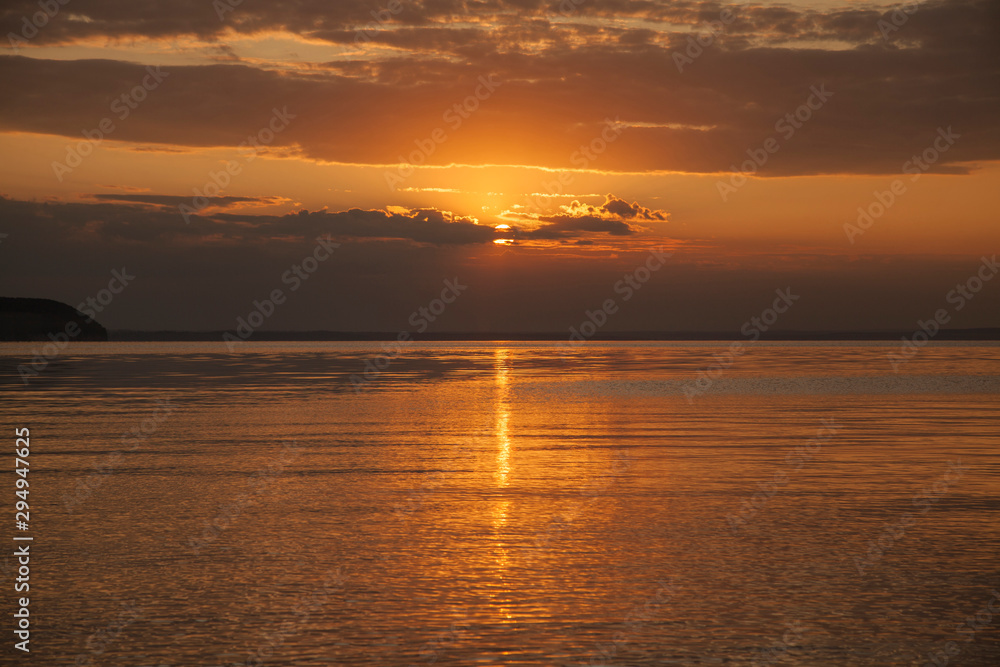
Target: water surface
pixel 510 504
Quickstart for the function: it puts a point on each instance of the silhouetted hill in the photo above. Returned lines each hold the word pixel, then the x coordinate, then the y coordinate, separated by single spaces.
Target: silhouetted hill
pixel 41 319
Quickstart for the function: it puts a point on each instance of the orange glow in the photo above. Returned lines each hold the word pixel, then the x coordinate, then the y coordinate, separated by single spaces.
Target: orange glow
pixel 503 468
pixel 502 418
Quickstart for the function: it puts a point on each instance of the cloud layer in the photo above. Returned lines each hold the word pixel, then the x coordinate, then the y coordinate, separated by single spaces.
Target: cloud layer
pixel 151 218
pixel 389 85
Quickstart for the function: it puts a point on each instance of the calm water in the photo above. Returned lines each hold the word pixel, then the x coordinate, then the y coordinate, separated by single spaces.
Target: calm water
pixel 504 504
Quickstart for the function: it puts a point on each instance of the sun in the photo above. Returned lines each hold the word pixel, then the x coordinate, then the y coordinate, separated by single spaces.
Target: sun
pixel 503 241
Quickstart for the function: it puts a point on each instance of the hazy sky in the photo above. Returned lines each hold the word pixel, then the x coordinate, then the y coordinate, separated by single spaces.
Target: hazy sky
pixel 552 145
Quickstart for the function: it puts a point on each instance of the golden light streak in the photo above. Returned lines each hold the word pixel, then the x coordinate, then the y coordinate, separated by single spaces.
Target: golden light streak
pixel 503 468
pixel 501 429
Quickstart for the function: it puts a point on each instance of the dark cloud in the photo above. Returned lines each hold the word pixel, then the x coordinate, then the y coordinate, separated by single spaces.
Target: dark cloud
pixel 620 208
pixel 562 225
pixel 612 217
pixel 560 81
pixel 500 24
pixel 421 226
pixel 177 200
pixel 151 218
pixel 161 221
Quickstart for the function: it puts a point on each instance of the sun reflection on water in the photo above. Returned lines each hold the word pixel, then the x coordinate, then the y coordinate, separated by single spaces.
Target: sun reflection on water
pixel 502 425
pixel 501 476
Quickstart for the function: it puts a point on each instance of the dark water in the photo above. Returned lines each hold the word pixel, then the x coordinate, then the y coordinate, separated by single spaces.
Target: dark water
pixel 495 504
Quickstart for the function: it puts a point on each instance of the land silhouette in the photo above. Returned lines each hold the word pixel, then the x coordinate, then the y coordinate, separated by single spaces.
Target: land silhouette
pixel 46 319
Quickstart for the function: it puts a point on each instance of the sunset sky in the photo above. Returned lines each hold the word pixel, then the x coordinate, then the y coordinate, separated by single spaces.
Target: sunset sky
pixel 553 145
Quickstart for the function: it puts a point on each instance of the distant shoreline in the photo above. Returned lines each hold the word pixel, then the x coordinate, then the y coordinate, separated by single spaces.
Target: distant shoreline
pixel 984 335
